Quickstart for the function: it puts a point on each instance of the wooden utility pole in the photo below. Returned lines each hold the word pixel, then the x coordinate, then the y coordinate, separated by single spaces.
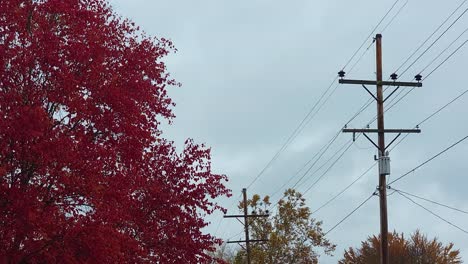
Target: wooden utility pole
pixel 246 217
pixel 383 158
pixel 246 225
pixel 381 139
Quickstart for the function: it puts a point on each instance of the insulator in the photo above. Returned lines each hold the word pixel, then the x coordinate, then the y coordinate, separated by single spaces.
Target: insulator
pixel 418 77
pixel 341 74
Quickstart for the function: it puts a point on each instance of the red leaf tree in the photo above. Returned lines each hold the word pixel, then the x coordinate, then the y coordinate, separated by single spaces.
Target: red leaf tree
pixel 85 174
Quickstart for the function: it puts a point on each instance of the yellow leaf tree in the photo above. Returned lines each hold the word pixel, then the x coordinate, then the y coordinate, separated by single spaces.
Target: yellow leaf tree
pixel 293 236
pixel 417 249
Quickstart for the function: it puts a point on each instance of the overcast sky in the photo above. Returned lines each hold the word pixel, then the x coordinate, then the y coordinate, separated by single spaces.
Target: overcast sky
pixel 252 69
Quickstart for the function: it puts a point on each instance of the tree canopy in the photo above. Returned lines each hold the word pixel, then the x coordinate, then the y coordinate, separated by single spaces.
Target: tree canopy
pixel 293 235
pixel 417 249
pixel 85 173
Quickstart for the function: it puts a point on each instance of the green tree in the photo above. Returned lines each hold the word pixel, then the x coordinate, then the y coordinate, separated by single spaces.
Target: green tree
pixel 293 236
pixel 418 249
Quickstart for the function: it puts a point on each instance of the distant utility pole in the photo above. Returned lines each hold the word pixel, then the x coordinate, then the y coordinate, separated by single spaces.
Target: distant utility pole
pixel 246 217
pixel 383 158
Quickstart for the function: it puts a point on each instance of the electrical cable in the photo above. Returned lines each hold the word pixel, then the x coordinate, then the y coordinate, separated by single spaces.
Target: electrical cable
pixel 293 134
pixel 436 68
pixel 429 160
pixel 440 64
pixel 393 18
pixel 432 44
pixel 235 235
pixel 431 201
pixel 443 51
pixel 429 117
pixel 436 40
pixel 348 215
pixel 345 189
pixel 431 35
pixel 327 170
pixel 218 226
pixel 319 168
pixel 443 107
pixel 317 157
pixel 434 214
pixel 370 34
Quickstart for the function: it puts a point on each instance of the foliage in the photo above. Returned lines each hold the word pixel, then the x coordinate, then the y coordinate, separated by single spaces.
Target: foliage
pixel 417 249
pixel 223 254
pixel 293 236
pixel 85 174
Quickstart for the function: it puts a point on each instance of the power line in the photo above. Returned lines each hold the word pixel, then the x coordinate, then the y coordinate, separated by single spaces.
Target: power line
pixel 327 170
pixel 346 147
pixel 429 117
pixel 436 40
pixel 344 190
pixel 430 36
pixel 435 69
pixel 217 227
pixel 443 51
pixel 348 215
pixel 317 157
pixel 370 34
pixel 431 201
pixel 427 39
pixel 434 214
pixel 440 64
pixel 318 169
pixel 293 134
pixel 430 159
pixel 394 16
pixel 443 107
pixel 242 231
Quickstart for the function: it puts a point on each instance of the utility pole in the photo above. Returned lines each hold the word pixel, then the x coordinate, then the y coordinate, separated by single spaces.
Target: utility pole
pixel 246 217
pixel 383 157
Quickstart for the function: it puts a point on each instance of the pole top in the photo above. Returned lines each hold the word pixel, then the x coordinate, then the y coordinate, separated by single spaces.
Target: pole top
pixel 378 36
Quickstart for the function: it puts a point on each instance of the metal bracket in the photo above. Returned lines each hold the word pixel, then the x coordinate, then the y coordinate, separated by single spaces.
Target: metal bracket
pixel 391 142
pixel 371 140
pixel 240 221
pixel 391 94
pixel 370 92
